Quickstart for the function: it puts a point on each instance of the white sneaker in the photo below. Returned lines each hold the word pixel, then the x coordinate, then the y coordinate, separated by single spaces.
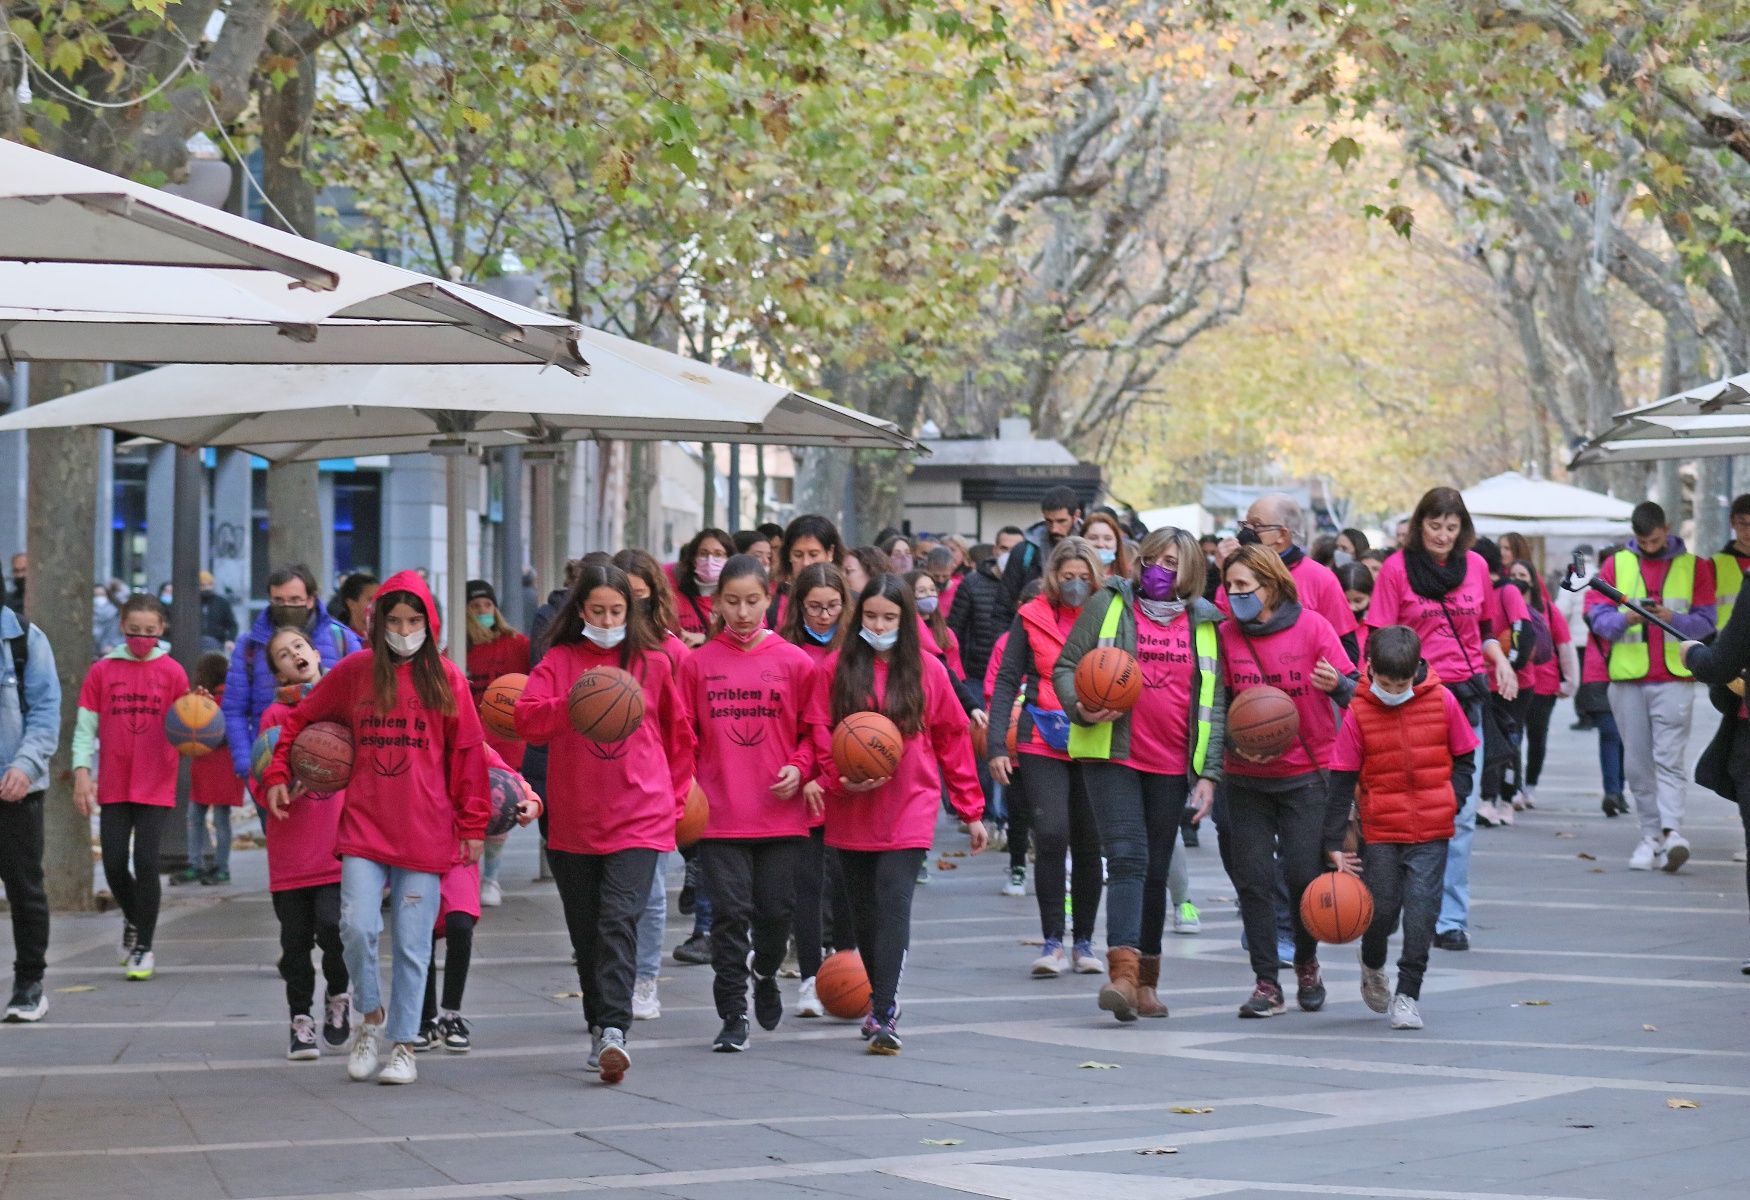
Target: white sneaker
pixel 1405 1014
pixel 615 1059
pixel 595 1048
pixel 1016 885
pixel 402 1068
pixel 807 1002
pixel 1052 963
pixel 141 964
pixel 1676 850
pixel 645 1005
pixel 1527 797
pixel 1375 989
pixel 1739 856
pixel 362 1061
pixel 1647 855
pixel 1503 812
pixel 491 895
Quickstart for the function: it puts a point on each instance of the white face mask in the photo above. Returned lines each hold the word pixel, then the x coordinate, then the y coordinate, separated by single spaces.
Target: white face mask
pixel 405 644
pixel 880 641
pixel 607 639
pixel 1002 562
pixel 1392 699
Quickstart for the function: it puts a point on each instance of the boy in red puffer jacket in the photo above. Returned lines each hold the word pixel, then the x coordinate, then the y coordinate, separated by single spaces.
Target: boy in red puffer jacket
pixel 1403 760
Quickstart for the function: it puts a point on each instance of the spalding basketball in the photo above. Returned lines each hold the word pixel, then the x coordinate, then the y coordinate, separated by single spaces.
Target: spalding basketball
pixel 606 705
pixel 503 792
pixel 321 756
pixel 866 745
pixel 843 985
pixel 261 754
pixel 194 725
pixel 1336 908
pixel 1108 678
pixel 498 705
pixel 691 827
pixel 1262 722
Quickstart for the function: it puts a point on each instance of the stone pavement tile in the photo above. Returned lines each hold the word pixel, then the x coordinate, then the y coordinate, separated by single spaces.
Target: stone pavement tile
pixel 531 1158
pixel 291 1171
pixel 185 1177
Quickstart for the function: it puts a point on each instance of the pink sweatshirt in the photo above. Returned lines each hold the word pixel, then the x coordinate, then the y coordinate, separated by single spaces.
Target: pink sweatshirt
pixel 900 814
pixel 1160 724
pixel 301 848
pixel 1286 660
pixel 746 709
pixel 604 797
pixel 128 697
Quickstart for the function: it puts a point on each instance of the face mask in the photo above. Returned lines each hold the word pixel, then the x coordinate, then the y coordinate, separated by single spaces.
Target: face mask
pixel 824 637
pixel 287 614
pixel 1159 583
pixel 880 641
pixel 405 644
pixel 164 596
pixel 139 645
pixel 1342 558
pixel 1002 562
pixel 607 639
pixel 928 604
pixel 744 639
pixel 1246 608
pixel 1073 593
pixel 901 563
pixel 1107 557
pixel 486 620
pixel 1247 536
pixel 707 570
pixel 1391 699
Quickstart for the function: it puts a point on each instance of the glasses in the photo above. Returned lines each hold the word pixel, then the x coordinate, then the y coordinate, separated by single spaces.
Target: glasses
pixel 823 610
pixel 1260 528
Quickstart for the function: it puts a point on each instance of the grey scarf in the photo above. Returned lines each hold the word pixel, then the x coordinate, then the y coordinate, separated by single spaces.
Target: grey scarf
pixel 1161 612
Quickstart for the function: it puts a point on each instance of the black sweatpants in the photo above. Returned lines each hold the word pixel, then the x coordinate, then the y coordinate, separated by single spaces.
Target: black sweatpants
pixel 458 935
pixel 21 872
pixel 753 890
pixel 1503 734
pixel 310 917
pixel 1286 821
pixel 823 915
pixel 137 892
pixel 603 896
pixel 880 883
pixel 1537 737
pixel 1062 820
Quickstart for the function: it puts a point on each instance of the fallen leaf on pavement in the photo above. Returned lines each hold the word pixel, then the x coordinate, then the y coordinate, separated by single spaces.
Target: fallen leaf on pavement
pixel 953 854
pixel 1189 1111
pixel 77 987
pixel 1567 835
pixel 944 1141
pixel 1159 1150
pixel 1586 856
pixel 943 864
pixel 1534 1003
pixel 567 995
pixel 1097 1066
pixel 1650 1028
pixel 1676 1103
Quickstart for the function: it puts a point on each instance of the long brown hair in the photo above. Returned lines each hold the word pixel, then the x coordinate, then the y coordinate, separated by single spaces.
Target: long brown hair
pixel 853 680
pixel 936 622
pixel 1442 502
pixel 645 567
pixel 684 570
pixel 814 575
pixel 567 627
pixel 430 681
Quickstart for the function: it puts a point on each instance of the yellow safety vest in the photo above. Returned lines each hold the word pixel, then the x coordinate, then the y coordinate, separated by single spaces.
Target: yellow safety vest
pixel 1630 657
pixel 1095 741
pixel 1728 582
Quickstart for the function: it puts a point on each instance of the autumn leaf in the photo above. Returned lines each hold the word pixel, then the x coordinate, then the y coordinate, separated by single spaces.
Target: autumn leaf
pixel 1674 1102
pixel 943 1141
pixel 1343 151
pixel 1097 1066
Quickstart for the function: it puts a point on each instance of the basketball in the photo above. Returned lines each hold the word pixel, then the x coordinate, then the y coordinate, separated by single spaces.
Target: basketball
pixel 504 792
pixel 261 754
pixel 498 705
pixel 1262 722
pixel 194 725
pixel 1014 721
pixel 980 742
pixel 1336 908
pixel 1108 678
pixel 691 827
pixel 321 757
pixel 866 745
pixel 606 705
pixel 843 985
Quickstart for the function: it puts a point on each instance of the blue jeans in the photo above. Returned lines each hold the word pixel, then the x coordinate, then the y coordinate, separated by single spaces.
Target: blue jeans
pixel 653 922
pixel 492 858
pixel 413 905
pixel 1138 817
pixel 201 855
pixel 1455 895
pixel 1609 752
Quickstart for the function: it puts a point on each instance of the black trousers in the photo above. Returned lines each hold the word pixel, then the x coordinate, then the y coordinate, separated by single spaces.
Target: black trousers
pixel 1537 736
pixel 1265 825
pixel 458 935
pixel 880 884
pixel 823 915
pixel 21 872
pixel 603 895
pixel 1738 766
pixel 136 892
pixel 310 917
pixel 1503 732
pixel 1020 816
pixel 1062 820
pixel 1139 818
pixel 753 890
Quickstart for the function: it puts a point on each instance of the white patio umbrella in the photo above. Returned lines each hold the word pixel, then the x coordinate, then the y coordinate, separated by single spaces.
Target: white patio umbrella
pixel 1513 497
pixel 1710 420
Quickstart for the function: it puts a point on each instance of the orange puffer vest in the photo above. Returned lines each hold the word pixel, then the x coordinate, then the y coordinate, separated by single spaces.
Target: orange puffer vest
pixel 1405 790
pixel 1045 639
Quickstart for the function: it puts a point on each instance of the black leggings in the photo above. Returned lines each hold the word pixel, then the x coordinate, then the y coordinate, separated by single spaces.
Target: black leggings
pixel 310 917
pixel 458 935
pixel 1503 732
pixel 1020 816
pixel 1537 736
pixel 137 893
pixel 1062 819
pixel 823 916
pixel 880 884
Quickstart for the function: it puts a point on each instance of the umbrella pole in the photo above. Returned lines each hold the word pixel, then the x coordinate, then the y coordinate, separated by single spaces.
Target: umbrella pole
pixel 456 614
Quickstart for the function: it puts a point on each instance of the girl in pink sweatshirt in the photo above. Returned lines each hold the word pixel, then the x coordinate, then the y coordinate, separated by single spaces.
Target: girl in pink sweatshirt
pixel 120 733
pixel 881 828
pixel 744 690
pixel 611 806
pixel 415 804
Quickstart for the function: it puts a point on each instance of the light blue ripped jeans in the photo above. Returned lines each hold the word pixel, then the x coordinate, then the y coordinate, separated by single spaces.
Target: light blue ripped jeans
pixel 413 906
pixel 653 922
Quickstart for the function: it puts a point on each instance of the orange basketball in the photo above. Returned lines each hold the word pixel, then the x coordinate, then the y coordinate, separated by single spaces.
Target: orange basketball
pixel 1014 721
pixel 843 985
pixel 321 756
pixel 194 725
pixel 606 705
pixel 1262 722
pixel 498 705
pixel 1108 677
pixel 1336 908
pixel 866 745
pixel 691 827
pixel 980 742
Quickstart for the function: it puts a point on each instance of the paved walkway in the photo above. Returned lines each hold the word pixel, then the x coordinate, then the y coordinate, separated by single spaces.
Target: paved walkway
pixel 1593 999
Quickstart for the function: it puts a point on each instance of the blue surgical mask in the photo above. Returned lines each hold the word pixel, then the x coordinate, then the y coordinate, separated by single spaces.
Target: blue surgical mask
pixel 1391 699
pixel 1107 557
pixel 927 604
pixel 880 641
pixel 1247 607
pixel 607 639
pixel 1342 558
pixel 487 620
pixel 823 636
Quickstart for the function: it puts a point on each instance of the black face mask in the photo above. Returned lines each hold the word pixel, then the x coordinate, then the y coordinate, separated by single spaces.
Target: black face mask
pixel 1247 536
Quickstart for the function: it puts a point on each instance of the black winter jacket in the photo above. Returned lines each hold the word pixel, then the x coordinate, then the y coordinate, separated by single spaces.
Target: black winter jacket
pixel 981 612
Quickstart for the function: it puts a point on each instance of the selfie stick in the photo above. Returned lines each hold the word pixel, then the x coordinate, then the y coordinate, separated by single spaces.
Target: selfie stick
pixel 1578 579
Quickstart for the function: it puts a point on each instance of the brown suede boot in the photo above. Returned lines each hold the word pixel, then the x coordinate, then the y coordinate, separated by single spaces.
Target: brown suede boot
pixel 1148 977
pixel 1118 997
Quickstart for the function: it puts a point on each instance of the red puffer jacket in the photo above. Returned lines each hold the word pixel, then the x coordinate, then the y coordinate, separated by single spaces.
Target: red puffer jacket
pixel 1404 793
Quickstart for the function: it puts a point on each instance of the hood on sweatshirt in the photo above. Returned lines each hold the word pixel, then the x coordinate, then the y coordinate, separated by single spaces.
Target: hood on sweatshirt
pixel 1673 547
pixel 409 581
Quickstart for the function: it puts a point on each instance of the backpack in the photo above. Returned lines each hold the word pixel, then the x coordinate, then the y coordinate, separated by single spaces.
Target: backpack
pixel 1543 646
pixel 20 656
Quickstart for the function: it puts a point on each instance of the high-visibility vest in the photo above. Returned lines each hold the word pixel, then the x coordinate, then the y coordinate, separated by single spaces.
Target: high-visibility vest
pixel 1728 582
pixel 1630 657
pixel 1095 741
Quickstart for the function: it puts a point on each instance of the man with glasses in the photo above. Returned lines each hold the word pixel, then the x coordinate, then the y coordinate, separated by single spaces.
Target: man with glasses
pixel 1274 522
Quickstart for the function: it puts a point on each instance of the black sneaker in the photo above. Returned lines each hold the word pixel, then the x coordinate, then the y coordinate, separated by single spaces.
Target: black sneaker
pixel 1614 805
pixel 695 951
pixel 186 875
pixel 1310 992
pixel 337 1019
pixel 303 1047
pixel 1452 939
pixel 427 1038
pixel 732 1038
pixel 452 1032
pixel 768 1001
pixel 886 1040
pixel 27 1004
pixel 1265 1001
pixel 688 900
pixel 871 1027
pixel 215 876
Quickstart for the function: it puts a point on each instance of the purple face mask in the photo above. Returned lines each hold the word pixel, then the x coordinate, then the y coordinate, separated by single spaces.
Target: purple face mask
pixel 1159 583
